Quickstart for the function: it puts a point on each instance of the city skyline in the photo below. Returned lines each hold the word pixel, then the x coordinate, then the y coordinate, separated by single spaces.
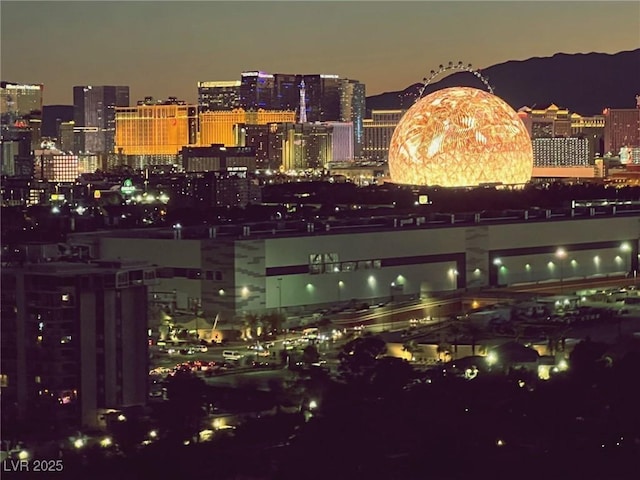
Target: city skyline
pixel 226 38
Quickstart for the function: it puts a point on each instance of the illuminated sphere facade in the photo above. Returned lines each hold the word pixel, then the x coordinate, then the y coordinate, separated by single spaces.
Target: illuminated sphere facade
pixel 460 137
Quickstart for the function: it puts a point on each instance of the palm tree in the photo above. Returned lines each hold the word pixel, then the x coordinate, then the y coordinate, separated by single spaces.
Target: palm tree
pixel 251 321
pixel 455 330
pixel 443 350
pixel 474 332
pixel 272 322
pixel 411 347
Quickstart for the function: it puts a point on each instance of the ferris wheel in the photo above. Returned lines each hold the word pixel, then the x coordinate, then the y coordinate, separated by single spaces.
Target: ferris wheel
pixel 453 66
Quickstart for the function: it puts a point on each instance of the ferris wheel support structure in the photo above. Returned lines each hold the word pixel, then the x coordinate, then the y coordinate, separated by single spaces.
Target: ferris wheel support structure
pixel 453 66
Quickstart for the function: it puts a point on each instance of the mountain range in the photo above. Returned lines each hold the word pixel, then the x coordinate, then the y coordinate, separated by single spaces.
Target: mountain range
pixel 583 83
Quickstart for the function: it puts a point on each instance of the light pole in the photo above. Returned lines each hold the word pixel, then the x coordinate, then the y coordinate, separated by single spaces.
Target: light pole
pixel 279 279
pixel 454 278
pixel 497 264
pixel 626 250
pixel 561 253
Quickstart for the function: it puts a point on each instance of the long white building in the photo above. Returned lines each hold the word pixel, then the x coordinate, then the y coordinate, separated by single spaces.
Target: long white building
pixel 298 267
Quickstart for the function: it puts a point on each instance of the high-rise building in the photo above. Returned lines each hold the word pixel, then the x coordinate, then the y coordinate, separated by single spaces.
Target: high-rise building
pixel 95 117
pixel 74 340
pixel 52 117
pixel 591 128
pixel 545 123
pixel 341 141
pixel 20 112
pixel 622 129
pixel 378 131
pixel 155 128
pixel 323 97
pixel 256 90
pixel 53 165
pixel 220 127
pixel 215 96
pixel 352 109
pixel 306 145
pixel 561 152
pixel 19 101
pixel 561 157
pixel 287 91
pixel 17 152
pixel 262 139
pixel 66 136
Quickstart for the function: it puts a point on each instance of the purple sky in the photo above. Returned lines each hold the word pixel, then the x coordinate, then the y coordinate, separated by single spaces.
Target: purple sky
pixel 164 48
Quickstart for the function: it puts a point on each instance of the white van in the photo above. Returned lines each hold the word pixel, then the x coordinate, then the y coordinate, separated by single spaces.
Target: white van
pixel 231 355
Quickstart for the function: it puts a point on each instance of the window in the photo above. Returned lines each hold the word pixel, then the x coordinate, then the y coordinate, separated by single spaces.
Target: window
pixel 328 263
pixel 180 272
pixel 316 269
pixel 165 272
pixel 348 266
pixel 194 274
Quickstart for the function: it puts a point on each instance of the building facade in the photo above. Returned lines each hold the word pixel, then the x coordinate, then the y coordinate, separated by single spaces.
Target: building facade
pixel 55 166
pixel 19 101
pixel 218 96
pixel 256 90
pixel 622 129
pixel 94 115
pixel 298 268
pixel 562 152
pixel 156 128
pixel 544 123
pixel 74 340
pixel 305 146
pixel 378 131
pixel 221 127
pixel 217 158
pixel 353 109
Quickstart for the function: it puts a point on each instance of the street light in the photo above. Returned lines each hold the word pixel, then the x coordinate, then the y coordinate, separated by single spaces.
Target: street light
pixel 340 285
pixel 494 272
pixel 454 277
pixel 279 279
pixel 561 253
pixel 626 248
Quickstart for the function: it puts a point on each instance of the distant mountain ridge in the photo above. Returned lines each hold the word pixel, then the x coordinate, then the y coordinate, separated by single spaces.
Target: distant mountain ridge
pixel 585 83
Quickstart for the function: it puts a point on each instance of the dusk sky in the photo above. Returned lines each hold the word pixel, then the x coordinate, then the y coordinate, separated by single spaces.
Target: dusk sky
pixel 164 48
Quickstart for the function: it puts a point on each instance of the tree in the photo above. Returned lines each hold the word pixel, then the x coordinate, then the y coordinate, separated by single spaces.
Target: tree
pixel 358 358
pixel 411 347
pixel 443 350
pixel 310 355
pixel 586 359
pixel 273 322
pixel 185 408
pixel 390 375
pixel 251 324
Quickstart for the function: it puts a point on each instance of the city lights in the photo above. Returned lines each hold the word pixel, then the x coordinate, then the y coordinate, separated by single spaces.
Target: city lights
pixel 291 275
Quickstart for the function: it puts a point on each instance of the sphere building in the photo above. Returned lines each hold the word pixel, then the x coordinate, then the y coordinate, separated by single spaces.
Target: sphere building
pixel 460 137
